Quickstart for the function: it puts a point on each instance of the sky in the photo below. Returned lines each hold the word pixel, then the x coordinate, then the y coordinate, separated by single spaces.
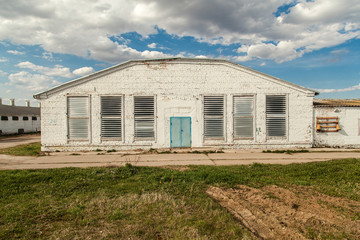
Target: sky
pixel 315 44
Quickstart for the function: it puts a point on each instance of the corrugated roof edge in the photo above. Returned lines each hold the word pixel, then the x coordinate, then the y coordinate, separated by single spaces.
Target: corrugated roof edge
pixel 89 77
pixel 336 103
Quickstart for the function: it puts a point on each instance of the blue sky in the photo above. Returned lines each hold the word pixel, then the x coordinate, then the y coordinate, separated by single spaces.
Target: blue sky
pixel 315 44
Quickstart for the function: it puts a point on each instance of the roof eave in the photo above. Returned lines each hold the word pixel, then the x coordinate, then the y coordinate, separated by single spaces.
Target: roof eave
pixel 77 81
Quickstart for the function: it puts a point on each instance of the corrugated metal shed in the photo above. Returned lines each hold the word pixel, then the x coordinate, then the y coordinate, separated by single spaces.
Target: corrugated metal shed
pixel 336 102
pixel 7 110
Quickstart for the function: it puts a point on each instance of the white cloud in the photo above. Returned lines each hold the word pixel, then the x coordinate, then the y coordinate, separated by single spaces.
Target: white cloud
pixel 32 82
pixel 340 51
pixel 48 56
pixel 348 89
pixel 82 27
pixel 152 45
pixel 3 60
pixel 2 73
pixel 83 71
pixel 15 52
pixel 58 70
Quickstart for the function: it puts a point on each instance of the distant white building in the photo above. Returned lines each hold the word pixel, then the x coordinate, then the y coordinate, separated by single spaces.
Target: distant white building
pixel 176 102
pixel 19 119
pixel 337 123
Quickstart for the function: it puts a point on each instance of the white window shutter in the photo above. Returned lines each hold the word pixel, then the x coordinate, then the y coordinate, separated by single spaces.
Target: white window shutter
pixel 243 116
pixel 78 117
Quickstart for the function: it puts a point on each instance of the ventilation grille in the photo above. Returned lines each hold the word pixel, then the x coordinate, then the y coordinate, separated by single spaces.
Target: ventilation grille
pixel 276 116
pixel 275 104
pixel 144 106
pixel 144 112
pixel 111 118
pixel 78 114
pixel 243 116
pixel 214 106
pixel 213 116
pixel 78 106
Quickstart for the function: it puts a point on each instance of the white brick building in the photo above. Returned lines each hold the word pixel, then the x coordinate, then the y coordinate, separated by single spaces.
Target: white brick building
pixel 19 119
pixel 176 102
pixel 337 123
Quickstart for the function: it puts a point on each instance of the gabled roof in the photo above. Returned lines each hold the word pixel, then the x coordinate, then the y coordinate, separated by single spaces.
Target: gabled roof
pixel 8 110
pixel 336 102
pixel 130 63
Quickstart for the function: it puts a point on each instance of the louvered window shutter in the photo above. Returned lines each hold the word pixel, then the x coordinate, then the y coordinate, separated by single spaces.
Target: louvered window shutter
pixel 111 116
pixel 78 117
pixel 144 114
pixel 214 116
pixel 243 116
pixel 276 116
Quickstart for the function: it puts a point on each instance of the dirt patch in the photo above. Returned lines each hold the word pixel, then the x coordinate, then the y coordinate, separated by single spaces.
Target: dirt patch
pixel 273 212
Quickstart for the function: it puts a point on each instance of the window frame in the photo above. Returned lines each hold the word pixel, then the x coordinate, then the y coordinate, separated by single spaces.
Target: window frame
pixel 34 118
pixel 25 118
pixel 153 138
pixel 223 137
pixel 121 138
pixel 15 118
pixel 285 115
pixel 88 117
pixel 247 116
pixel 4 118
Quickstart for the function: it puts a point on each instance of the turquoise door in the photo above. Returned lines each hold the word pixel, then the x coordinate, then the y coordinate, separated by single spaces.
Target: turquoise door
pixel 180 132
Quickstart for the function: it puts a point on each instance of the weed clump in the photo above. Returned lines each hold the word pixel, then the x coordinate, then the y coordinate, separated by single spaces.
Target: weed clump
pixel 288 151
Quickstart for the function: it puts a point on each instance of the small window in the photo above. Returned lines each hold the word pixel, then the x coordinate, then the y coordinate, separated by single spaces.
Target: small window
pixel 15 118
pixel 144 115
pixel 276 116
pixel 111 118
pixel 214 117
pixel 4 118
pixel 21 131
pixel 78 118
pixel 243 116
pixel 25 118
pixel 34 118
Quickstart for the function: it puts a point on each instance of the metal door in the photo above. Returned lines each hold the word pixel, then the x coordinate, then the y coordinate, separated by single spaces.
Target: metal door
pixel 180 132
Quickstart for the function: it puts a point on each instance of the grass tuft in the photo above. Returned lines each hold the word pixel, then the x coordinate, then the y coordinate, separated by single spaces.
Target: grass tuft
pixel 31 149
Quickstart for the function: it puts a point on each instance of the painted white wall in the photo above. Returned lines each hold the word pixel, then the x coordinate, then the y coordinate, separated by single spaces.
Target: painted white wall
pixel 11 126
pixel 179 88
pixel 349 120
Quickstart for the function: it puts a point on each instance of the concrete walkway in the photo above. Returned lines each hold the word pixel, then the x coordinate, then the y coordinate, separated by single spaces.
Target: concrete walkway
pixel 230 157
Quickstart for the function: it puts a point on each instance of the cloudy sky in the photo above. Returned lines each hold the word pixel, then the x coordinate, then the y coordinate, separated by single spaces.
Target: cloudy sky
pixel 315 44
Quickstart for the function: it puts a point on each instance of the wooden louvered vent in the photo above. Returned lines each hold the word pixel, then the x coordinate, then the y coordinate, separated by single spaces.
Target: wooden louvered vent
pixel 111 117
pixel 327 124
pixel 214 117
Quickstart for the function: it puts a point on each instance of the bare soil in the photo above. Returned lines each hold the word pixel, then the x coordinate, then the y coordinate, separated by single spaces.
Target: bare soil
pixel 15 140
pixel 273 212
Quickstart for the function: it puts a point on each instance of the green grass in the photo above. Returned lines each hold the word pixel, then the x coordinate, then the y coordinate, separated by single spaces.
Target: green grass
pixel 31 149
pixel 147 202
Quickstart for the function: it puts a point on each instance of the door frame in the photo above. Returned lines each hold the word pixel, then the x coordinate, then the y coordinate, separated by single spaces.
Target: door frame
pixel 180 133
